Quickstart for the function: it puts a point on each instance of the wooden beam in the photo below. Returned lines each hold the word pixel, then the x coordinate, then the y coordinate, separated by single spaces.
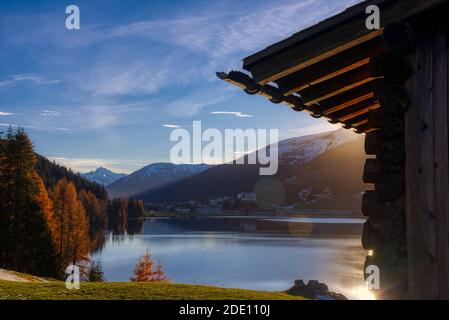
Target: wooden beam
pixel 262 79
pixel 348 103
pixel 360 112
pixel 365 104
pixel 339 91
pixel 307 84
pixel 331 67
pixel 360 123
pixel 347 99
pixel 337 85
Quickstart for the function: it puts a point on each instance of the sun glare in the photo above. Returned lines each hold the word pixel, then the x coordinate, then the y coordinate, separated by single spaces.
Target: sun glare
pixel 362 293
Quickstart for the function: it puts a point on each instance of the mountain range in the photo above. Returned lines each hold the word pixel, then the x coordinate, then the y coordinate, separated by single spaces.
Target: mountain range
pixel 325 167
pixel 319 168
pixel 153 176
pixel 103 176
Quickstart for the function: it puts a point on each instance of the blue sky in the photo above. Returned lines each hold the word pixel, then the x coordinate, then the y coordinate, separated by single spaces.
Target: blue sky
pixel 107 94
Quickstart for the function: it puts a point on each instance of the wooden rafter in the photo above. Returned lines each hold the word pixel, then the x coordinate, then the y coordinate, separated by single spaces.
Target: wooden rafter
pixel 358 113
pixel 331 67
pixel 337 85
pixel 327 54
pixel 328 76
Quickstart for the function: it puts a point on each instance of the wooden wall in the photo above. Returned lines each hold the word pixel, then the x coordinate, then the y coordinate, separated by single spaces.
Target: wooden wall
pixel 426 141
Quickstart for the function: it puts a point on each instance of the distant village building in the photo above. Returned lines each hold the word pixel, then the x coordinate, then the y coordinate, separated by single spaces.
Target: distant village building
pixel 218 201
pixel 247 197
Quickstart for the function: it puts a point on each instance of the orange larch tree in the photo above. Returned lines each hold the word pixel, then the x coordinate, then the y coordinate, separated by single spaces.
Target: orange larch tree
pixel 71 226
pixel 144 270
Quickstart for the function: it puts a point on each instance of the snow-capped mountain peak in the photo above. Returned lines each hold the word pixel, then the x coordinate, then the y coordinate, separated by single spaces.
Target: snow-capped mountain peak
pixel 103 176
pixel 296 151
pixel 153 176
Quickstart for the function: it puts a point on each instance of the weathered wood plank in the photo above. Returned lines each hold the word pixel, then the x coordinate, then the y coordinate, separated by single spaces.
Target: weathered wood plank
pixel 336 85
pixel 440 95
pixel 412 149
pixel 318 98
pixel 373 142
pixel 341 104
pixel 331 67
pixel 426 129
pixel 348 98
pixel 364 111
pixel 371 171
pixel 285 61
pixel 420 173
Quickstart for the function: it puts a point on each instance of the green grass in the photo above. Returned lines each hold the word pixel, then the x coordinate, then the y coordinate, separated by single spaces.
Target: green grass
pixel 56 290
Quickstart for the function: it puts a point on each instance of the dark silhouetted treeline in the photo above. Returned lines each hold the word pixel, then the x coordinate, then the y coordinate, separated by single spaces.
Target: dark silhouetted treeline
pixel 51 173
pixel 125 215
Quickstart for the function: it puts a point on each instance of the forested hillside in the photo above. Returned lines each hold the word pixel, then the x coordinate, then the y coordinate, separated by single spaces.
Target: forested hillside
pixel 49 215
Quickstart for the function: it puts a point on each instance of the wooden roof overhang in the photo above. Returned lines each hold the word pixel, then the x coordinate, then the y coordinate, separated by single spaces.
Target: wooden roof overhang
pixel 326 69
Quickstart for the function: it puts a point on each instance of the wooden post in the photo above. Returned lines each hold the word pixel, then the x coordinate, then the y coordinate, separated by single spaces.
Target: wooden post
pixel 427 180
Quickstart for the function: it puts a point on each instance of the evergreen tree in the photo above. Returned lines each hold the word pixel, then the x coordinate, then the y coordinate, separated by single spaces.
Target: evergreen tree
pixel 95 272
pixel 95 210
pixel 135 216
pixel 118 215
pixel 51 173
pixel 25 240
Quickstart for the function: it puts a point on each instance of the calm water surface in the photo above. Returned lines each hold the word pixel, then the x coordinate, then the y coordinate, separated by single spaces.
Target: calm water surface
pixel 241 252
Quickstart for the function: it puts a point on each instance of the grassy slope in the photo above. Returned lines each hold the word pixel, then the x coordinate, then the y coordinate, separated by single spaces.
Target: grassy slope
pixel 129 291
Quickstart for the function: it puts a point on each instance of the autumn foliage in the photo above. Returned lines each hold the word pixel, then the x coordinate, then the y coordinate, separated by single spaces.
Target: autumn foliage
pixel 70 227
pixel 144 271
pixel 25 239
pixel 49 215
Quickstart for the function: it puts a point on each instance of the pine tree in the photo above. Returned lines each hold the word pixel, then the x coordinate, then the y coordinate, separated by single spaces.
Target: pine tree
pixel 118 215
pixel 95 210
pixel 95 272
pixel 25 240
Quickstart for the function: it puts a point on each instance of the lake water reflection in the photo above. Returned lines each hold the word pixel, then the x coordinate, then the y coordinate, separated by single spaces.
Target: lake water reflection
pixel 254 253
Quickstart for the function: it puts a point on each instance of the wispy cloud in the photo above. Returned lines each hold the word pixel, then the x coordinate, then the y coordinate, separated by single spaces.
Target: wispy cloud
pixel 173 126
pixel 87 164
pixel 233 113
pixel 49 113
pixel 193 103
pixel 6 113
pixel 216 37
pixel 130 78
pixel 223 31
pixel 40 128
pixel 14 79
pixel 100 116
pixel 13 125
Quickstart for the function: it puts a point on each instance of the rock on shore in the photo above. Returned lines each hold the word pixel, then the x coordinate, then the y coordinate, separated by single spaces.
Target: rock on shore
pixel 314 290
